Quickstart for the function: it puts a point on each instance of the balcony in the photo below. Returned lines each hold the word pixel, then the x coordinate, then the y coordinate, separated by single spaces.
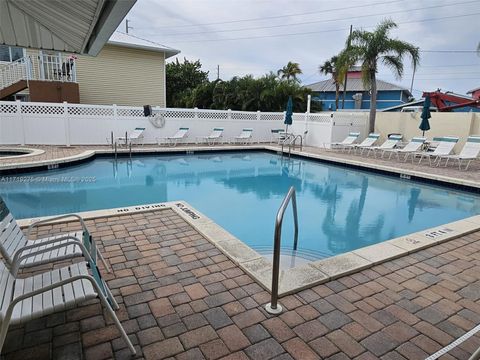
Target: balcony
pixel 40 74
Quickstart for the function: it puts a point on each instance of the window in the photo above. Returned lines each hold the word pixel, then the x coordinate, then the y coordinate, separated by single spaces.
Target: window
pixel 10 53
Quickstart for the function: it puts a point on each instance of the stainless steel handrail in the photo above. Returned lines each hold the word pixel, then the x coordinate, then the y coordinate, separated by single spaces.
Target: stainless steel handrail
pixel 273 307
pixel 293 143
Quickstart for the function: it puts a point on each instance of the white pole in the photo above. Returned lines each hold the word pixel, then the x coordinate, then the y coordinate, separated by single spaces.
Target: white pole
pixel 309 101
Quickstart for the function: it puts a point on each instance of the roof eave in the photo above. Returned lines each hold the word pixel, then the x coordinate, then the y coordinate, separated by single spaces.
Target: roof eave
pixel 169 52
pixel 111 16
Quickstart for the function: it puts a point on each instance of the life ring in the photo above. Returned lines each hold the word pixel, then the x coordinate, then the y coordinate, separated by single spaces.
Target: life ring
pixel 157 120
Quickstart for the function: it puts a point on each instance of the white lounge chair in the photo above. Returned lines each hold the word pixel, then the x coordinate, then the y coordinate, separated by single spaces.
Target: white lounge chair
pixel 388 144
pixel 215 136
pixel 245 137
pixel 276 135
pixel 24 299
pixel 181 134
pixel 349 140
pixel 413 146
pixel 445 147
pixel 470 152
pixel 135 137
pixel 17 249
pixel 368 142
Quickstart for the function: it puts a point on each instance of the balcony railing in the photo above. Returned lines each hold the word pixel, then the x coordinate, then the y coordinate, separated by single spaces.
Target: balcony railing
pixel 41 67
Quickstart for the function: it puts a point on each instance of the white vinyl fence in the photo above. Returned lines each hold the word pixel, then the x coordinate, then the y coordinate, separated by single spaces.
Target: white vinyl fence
pixel 78 124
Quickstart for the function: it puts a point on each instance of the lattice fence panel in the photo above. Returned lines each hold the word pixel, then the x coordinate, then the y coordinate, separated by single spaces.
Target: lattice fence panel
pixel 42 109
pixel 8 108
pixel 244 115
pixel 213 115
pixel 90 111
pixel 178 114
pixel 320 118
pixel 272 116
pixel 298 117
pixel 131 112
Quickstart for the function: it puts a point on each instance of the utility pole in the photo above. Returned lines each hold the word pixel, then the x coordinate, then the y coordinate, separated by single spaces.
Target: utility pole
pixel 126 26
pixel 346 72
pixel 413 78
pixel 218 72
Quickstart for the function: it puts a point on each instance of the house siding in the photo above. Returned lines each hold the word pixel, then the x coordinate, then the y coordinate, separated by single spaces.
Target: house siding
pixel 122 76
pixel 385 99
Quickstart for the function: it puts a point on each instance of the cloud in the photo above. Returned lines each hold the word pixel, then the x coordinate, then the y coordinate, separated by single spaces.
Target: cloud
pixel 322 28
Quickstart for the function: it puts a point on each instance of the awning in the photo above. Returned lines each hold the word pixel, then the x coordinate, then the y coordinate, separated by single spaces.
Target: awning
pixel 80 26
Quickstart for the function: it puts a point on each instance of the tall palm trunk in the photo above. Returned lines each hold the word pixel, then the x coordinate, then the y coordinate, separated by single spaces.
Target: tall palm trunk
pixel 373 102
pixel 337 93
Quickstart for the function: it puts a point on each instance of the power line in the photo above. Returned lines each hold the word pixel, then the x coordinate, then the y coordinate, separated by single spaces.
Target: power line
pixel 448 66
pixel 281 16
pixel 333 30
pixel 451 51
pixel 319 21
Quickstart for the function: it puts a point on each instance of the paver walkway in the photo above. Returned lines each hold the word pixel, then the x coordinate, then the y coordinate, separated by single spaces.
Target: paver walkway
pixel 181 298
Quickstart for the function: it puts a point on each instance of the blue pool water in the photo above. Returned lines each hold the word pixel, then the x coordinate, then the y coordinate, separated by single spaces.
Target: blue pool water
pixel 339 209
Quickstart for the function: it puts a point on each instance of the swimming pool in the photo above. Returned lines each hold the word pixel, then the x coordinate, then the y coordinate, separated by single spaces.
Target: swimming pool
pixel 340 209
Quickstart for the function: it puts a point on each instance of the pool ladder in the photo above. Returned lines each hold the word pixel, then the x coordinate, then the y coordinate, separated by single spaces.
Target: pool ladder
pixel 273 307
pixel 116 150
pixel 291 141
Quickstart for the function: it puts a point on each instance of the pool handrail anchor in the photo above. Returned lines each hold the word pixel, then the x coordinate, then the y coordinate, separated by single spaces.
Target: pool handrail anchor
pixel 115 151
pixel 273 307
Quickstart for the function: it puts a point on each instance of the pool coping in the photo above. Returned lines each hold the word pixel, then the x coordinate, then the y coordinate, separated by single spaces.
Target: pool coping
pixel 304 276
pixel 12 168
pixel 26 150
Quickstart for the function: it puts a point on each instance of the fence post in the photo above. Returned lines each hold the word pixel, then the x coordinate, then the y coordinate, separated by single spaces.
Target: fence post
pixel 22 120
pixel 66 121
pixel 229 114
pixel 115 129
pixel 195 113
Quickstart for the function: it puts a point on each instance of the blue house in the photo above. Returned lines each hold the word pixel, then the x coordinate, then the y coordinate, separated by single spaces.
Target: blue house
pixel 357 97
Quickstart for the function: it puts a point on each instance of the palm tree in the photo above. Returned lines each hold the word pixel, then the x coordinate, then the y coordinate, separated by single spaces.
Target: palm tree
pixel 290 71
pixel 334 67
pixel 373 47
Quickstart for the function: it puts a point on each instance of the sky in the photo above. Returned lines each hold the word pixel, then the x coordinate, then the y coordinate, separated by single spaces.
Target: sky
pixel 258 36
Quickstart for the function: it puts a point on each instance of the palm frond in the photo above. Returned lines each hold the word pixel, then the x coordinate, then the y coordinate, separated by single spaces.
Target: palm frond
pixel 394 63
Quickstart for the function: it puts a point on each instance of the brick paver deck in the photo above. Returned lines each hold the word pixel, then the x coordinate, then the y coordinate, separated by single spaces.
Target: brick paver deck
pixel 181 298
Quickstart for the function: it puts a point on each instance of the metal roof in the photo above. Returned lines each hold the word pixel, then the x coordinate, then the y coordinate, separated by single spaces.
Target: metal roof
pixel 353 85
pixel 132 41
pixel 80 26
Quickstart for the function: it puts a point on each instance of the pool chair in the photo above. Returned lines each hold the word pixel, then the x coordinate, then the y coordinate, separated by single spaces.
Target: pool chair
pixel 18 251
pixel 245 137
pixel 181 134
pixel 412 147
pixel 367 143
pixel 276 135
pixel 470 152
pixel 135 137
pixel 388 144
pixel 349 140
pixel 214 137
pixel 445 147
pixel 25 299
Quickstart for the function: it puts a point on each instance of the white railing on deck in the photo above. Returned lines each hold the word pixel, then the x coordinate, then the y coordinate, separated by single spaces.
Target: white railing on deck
pixel 42 67
pixel 13 72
